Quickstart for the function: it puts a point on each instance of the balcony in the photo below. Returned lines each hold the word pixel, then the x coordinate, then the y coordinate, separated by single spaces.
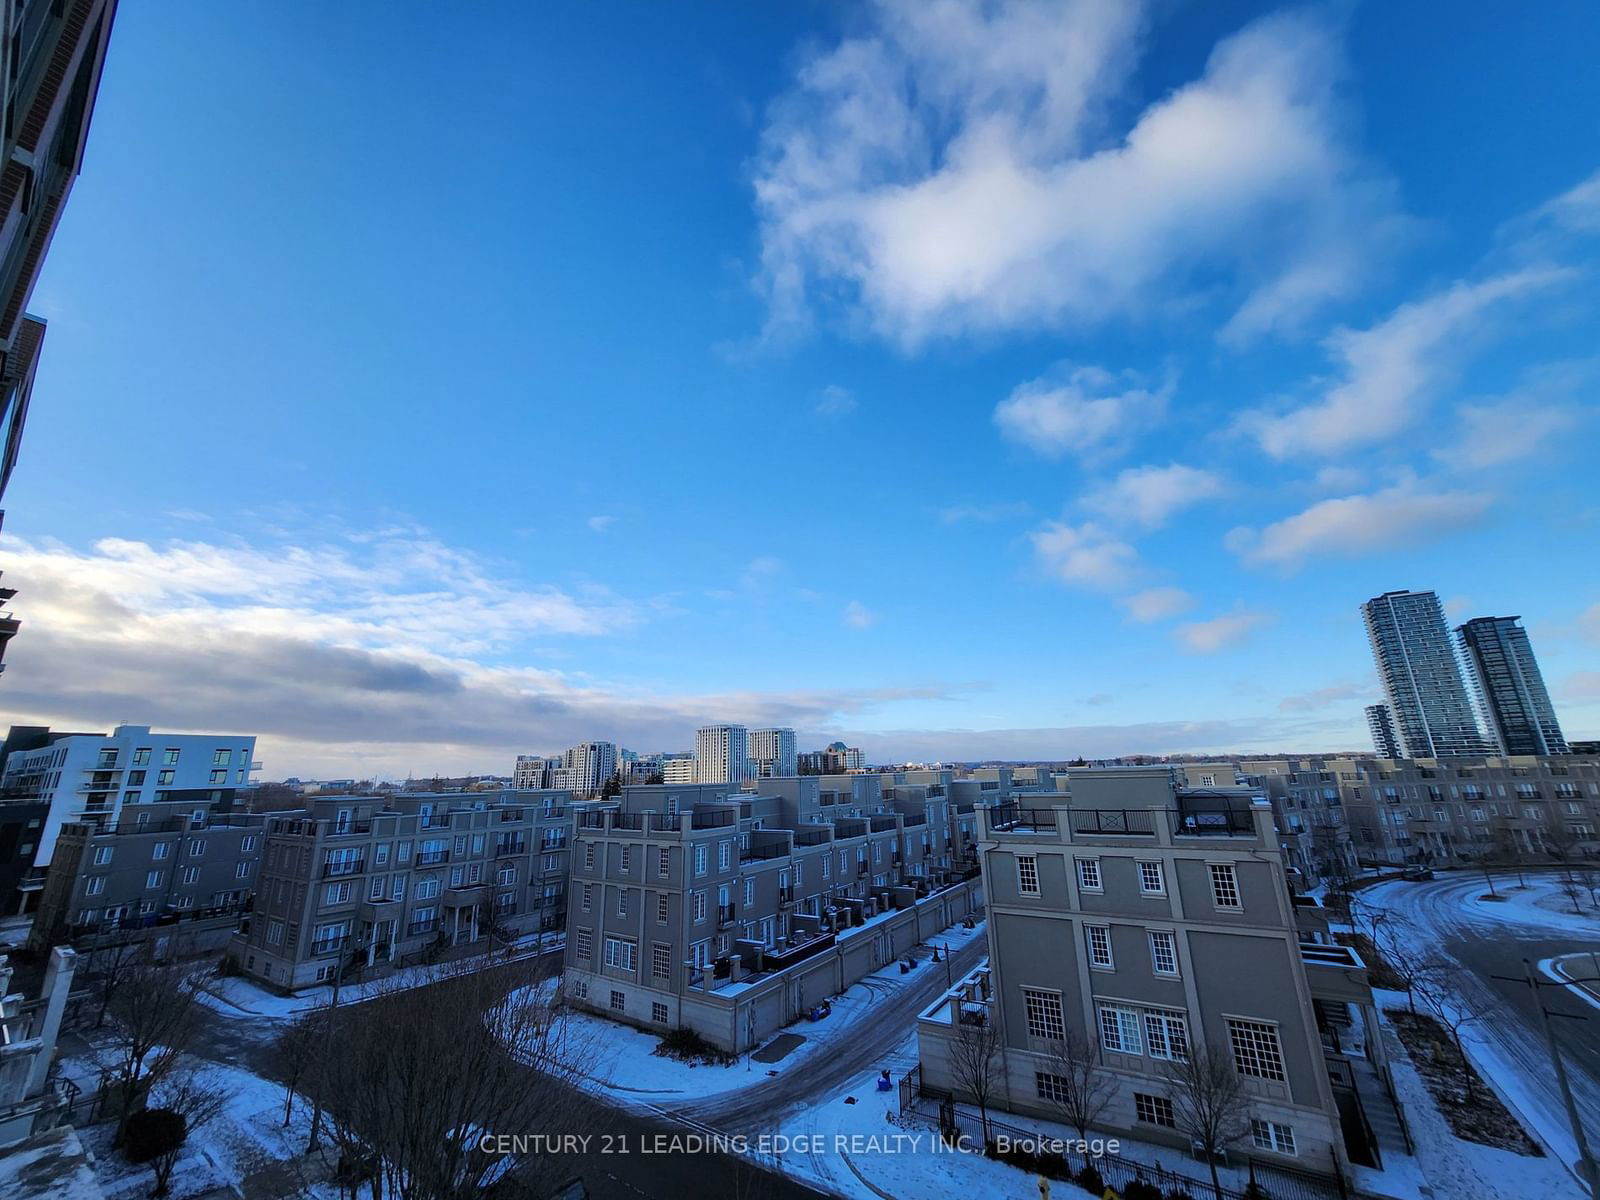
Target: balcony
pixel 1213 822
pixel 763 853
pixel 350 829
pixel 327 946
pixel 510 849
pixel 725 915
pixel 467 895
pixel 432 858
pixel 343 867
pixel 417 928
pixel 786 896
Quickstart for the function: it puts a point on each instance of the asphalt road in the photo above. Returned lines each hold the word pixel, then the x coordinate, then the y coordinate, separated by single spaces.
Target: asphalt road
pixel 1491 941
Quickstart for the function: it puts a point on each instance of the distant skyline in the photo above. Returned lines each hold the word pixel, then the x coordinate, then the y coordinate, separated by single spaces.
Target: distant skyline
pixel 1048 381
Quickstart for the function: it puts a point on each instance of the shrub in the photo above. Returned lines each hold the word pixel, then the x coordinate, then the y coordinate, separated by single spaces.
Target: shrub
pixel 152 1132
pixel 1090 1179
pixel 1141 1189
pixel 1179 1193
pixel 686 1045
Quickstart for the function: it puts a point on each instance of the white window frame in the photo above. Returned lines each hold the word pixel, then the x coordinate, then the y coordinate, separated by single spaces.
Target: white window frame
pixel 1225 882
pixel 1164 944
pixel 1098 939
pixel 1089 877
pixel 1152 879
pixel 1028 874
pixel 1044 1013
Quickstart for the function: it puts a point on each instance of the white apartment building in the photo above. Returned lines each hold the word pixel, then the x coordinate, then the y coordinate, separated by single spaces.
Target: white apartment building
pixel 678 769
pixel 772 754
pixel 89 777
pixel 582 770
pixel 721 754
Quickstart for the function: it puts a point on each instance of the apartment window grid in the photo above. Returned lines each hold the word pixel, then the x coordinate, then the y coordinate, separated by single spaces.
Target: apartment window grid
pixel 1028 874
pixel 658 1012
pixel 1154 1110
pixel 661 908
pixel 1054 1088
pixel 583 946
pixel 1255 1048
pixel 1151 880
pixel 661 961
pixel 1119 1029
pixel 663 861
pixel 1224 886
pixel 1089 874
pixel 622 902
pixel 621 954
pixel 1044 1013
pixel 1270 1135
pixel 1100 947
pixel 1163 952
pixel 1166 1034
pixel 619 1002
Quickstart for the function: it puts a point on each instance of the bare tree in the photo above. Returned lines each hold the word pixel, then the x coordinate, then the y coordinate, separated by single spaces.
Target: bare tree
pixel 294 1054
pixel 1209 1103
pixel 1438 986
pixel 189 1092
pixel 1562 846
pixel 1509 849
pixel 1082 1088
pixel 114 954
pixel 975 1062
pixel 420 1076
pixel 155 1013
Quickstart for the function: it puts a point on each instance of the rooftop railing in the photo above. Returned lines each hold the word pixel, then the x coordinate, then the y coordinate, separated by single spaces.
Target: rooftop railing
pixel 1113 821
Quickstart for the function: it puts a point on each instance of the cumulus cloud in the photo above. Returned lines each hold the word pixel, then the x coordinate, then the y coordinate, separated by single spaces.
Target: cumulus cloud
pixel 1403 515
pixel 1081 410
pixel 1501 429
pixel 1322 697
pixel 1157 604
pixel 955 514
pixel 339 660
pixel 954 168
pixel 859 616
pixel 1084 555
pixel 835 401
pixel 1388 373
pixel 1147 496
pixel 1219 633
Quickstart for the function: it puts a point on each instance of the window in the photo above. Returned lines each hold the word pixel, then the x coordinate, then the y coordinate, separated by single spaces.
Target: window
pixel 506 874
pixel 1163 952
pixel 619 1002
pixel 620 953
pixel 627 858
pixel 164 777
pixel 1167 1034
pixel 96 885
pixel 585 944
pixel 663 861
pixel 700 859
pixel 154 878
pixel 335 893
pixel 579 988
pixel 660 961
pixel 1154 1110
pixel 1028 874
pixel 588 896
pixel 588 856
pixel 622 902
pixel 1119 1029
pixel 1099 937
pixel 170 757
pixel 1255 1048
pixel 658 1012
pixel 197 847
pixel 427 887
pixel 698 905
pixel 827 866
pixel 219 777
pixel 102 855
pixel 136 779
pixel 160 850
pixel 1151 882
pixel 749 892
pixel 191 875
pixel 1055 1088
pixel 275 933
pixel 661 908
pixel 219 758
pixel 375 889
pixel 1224 886
pixel 724 849
pixel 247 845
pixel 1269 1135
pixel 1089 874
pixel 1044 1013
pixel 141 756
pixel 398 890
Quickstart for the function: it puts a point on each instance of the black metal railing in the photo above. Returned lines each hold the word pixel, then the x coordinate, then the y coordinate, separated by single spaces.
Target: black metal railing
pixel 1137 821
pixel 341 867
pixel 1014 818
pixel 1213 822
pixel 432 858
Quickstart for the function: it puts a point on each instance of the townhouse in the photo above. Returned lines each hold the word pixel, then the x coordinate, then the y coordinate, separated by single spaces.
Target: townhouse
pixel 357 886
pixel 1148 917
pixel 734 912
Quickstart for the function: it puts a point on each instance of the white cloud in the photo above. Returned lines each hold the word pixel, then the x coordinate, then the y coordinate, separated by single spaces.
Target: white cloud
pixel 1339 479
pixel 1323 697
pixel 1403 515
pixel 1157 604
pixel 1084 555
pixel 1501 432
pixel 1147 496
pixel 1084 410
pixel 601 524
pixel 1577 209
pixel 1389 372
pixel 955 514
pixel 835 401
pixel 1219 633
pixel 953 168
pixel 859 616
pixel 762 571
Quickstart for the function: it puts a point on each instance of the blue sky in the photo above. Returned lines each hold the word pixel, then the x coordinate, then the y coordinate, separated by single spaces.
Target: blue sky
pixel 1026 381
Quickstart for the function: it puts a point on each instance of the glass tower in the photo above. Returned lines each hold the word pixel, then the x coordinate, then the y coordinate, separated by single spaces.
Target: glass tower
pixel 1421 678
pixel 1510 690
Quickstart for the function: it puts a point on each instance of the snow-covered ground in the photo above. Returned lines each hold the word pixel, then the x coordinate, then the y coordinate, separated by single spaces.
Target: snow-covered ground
pixel 620 1062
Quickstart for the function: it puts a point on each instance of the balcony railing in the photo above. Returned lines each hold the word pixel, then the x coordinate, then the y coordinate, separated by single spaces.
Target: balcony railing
pixel 1213 822
pixel 1014 818
pixel 725 914
pixel 420 927
pixel 349 866
pixel 327 946
pixel 1112 821
pixel 762 853
pixel 510 849
pixel 432 858
pixel 714 819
